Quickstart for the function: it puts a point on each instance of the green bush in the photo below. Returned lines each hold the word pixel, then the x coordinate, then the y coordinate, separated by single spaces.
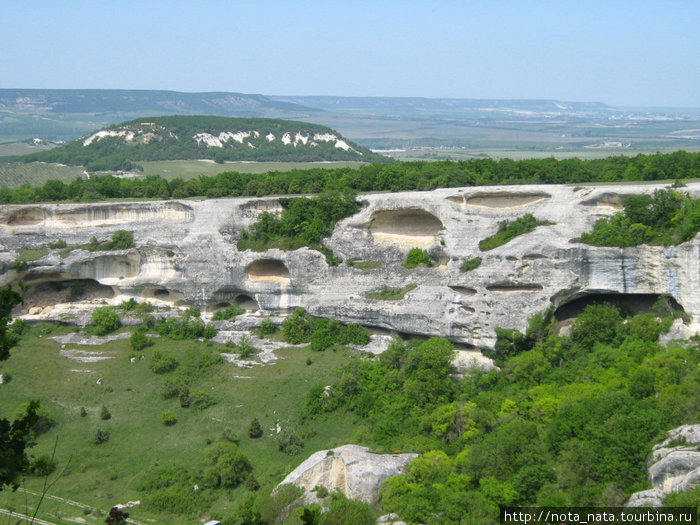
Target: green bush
pixel 298 327
pixel 121 240
pixel 167 418
pixel 470 264
pixel 255 430
pixel 139 341
pixel 101 436
pixel 105 413
pixel 162 363
pixel 417 257
pixel 267 327
pixel 225 465
pixel 43 465
pixel 228 313
pixel 509 230
pixel 106 320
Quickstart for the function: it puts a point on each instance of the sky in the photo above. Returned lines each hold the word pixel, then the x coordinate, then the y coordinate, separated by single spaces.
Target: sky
pixel 620 52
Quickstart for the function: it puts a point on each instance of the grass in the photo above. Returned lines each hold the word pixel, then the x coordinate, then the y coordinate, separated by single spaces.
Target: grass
pixel 15 174
pixel 32 254
pixel 102 475
pixel 367 265
pixel 388 293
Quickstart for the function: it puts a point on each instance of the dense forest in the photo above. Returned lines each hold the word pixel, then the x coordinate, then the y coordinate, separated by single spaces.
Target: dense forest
pixel 173 138
pixel 405 176
pixel 567 420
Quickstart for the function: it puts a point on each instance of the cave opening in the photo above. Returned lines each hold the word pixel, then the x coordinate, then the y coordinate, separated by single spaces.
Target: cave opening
pixel 629 304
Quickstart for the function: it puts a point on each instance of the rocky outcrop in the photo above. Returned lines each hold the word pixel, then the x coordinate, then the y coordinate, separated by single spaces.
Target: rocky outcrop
pixel 186 251
pixel 351 469
pixel 675 467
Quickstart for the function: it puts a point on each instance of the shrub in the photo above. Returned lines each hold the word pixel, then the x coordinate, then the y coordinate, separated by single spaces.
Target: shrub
pixel 83 412
pixel 169 390
pixel 228 313
pixel 255 430
pixel 121 240
pixel 470 264
pixel 245 347
pixel 139 341
pixel 43 465
pixel 267 327
pixel 298 327
pixel 162 363
pixel 289 443
pixel 104 413
pixel 101 436
pixel 106 319
pixel 225 465
pixel 251 484
pixel 168 419
pixel 417 257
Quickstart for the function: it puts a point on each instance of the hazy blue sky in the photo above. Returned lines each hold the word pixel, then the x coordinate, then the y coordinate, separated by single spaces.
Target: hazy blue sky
pixel 623 52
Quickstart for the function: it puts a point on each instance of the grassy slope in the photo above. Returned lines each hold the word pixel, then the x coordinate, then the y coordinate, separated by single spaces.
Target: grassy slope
pixel 104 475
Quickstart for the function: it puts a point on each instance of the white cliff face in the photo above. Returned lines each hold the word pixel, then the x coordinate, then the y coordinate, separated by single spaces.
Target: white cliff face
pixel 675 467
pixel 351 469
pixel 187 250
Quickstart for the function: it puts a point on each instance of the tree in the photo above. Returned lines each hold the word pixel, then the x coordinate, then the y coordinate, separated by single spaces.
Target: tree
pixel 106 319
pixel 255 430
pixel 116 517
pixel 15 435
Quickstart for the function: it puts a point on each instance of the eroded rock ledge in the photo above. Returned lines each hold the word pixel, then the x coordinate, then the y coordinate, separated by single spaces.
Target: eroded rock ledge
pixel 186 252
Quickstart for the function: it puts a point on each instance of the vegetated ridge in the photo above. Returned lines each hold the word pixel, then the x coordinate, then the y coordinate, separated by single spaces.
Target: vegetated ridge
pixel 220 139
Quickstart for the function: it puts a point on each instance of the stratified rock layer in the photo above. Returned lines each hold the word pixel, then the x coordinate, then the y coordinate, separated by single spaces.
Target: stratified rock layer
pixel 186 251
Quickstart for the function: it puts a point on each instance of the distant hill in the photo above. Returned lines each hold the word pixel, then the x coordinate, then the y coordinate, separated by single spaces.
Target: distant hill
pixel 417 107
pixel 120 146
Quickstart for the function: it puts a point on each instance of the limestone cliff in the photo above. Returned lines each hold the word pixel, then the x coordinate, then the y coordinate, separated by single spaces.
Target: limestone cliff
pixel 186 251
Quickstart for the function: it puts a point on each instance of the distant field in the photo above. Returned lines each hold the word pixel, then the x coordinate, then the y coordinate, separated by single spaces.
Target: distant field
pixel 188 169
pixel 428 153
pixel 15 174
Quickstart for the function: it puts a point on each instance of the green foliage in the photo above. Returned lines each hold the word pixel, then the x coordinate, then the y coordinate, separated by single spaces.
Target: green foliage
pixel 267 327
pixel 162 362
pixel 139 341
pixel 168 418
pixel 185 327
pixel 298 327
pixel 121 240
pixel 509 230
pixel 376 177
pixel 417 257
pixel 225 465
pixel 255 430
pixel 289 442
pixel 101 436
pixel 367 265
pixel 43 465
pixel 228 313
pixel 387 293
pixel 169 489
pixel 105 319
pixel 42 420
pixel 27 255
pixel 470 264
pixel 105 413
pixel 600 323
pixel 665 218
pixel 303 222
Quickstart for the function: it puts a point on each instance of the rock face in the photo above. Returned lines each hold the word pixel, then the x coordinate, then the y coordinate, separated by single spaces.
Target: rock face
pixel 186 251
pixel 351 469
pixel 673 468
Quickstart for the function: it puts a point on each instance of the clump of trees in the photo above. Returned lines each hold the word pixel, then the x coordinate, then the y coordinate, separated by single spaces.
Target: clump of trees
pixel 665 218
pixel 303 222
pixel 322 333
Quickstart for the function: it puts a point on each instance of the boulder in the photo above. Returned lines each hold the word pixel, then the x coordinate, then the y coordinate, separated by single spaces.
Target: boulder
pixel 675 467
pixel 351 469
